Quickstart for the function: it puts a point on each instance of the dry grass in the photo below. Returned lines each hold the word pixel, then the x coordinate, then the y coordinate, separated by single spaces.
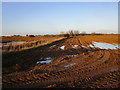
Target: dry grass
pixel 32 42
pixel 25 38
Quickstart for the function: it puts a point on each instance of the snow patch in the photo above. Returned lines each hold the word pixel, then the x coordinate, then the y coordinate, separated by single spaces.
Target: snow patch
pixel 71 55
pixel 105 45
pixel 48 58
pixel 74 46
pixel 62 47
pixel 70 65
pixel 83 46
pixel 91 46
pixel 52 46
pixel 45 58
pixel 47 61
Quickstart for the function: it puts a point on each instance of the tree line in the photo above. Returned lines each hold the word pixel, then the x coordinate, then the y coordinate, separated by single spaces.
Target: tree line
pixel 70 33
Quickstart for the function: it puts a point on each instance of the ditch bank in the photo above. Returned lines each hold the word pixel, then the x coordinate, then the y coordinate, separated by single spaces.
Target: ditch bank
pixel 27 45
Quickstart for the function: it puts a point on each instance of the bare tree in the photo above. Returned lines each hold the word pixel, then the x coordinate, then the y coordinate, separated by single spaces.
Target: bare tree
pixel 73 32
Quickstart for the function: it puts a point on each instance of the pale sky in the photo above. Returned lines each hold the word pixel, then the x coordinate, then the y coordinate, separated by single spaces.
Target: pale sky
pixel 55 17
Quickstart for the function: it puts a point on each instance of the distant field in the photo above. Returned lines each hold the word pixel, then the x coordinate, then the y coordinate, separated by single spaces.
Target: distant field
pixel 103 38
pixel 25 38
pixel 68 63
pixel 100 38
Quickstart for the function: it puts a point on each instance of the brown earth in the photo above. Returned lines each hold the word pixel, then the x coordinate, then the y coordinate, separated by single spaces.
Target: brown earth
pixel 93 67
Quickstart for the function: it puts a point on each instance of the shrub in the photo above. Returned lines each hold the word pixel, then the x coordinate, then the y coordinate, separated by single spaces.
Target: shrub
pixel 66 35
pixel 31 35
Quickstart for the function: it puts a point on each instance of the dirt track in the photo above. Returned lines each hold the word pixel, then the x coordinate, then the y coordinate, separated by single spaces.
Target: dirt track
pixel 93 67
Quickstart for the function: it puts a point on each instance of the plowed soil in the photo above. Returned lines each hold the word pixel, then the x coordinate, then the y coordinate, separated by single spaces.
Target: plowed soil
pixel 74 67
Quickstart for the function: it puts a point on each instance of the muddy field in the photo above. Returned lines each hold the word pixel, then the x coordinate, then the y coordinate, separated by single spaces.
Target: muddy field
pixel 76 62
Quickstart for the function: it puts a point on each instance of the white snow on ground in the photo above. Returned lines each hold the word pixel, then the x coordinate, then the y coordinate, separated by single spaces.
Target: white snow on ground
pixel 70 65
pixel 91 46
pixel 47 61
pixel 45 58
pixel 62 47
pixel 48 58
pixel 71 55
pixel 52 46
pixel 83 46
pixel 74 46
pixel 105 45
